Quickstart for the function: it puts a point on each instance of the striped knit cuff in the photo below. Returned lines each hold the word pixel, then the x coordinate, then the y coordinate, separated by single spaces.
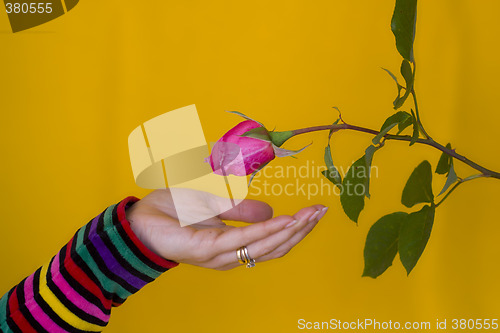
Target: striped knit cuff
pixel 135 244
pixel 100 267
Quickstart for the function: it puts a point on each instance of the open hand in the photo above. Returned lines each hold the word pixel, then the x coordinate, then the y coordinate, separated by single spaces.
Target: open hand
pixel 211 243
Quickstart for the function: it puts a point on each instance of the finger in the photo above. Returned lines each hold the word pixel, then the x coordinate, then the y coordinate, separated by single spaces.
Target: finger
pixel 298 232
pixel 264 246
pixel 237 237
pixel 284 248
pixel 280 251
pixel 248 211
pixel 268 244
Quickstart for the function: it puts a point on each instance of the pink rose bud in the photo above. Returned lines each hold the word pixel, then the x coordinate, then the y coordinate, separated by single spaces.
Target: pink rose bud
pixel 241 155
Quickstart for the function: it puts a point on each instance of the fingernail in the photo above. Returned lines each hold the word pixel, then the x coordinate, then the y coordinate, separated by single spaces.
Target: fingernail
pixel 323 212
pixel 313 216
pixel 294 222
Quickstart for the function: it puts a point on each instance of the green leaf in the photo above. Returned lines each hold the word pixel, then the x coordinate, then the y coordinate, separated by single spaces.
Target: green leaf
pixel 399 118
pixel 382 244
pixel 418 188
pixel 405 123
pixel 416 129
pixel 333 176
pixel 353 192
pixel 444 164
pixel 384 131
pixel 331 172
pixel 332 130
pixel 398 102
pixel 279 138
pixel 413 236
pixel 403 26
pixel 452 177
pixel 400 87
pixel 393 77
pixel 369 156
pixel 407 73
pixel 257 133
pixel 368 160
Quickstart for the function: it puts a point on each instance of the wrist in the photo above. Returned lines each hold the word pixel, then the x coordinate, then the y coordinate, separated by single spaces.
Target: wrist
pixel 138 228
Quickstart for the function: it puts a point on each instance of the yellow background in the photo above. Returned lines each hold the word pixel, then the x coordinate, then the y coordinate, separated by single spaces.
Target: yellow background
pixel 73 89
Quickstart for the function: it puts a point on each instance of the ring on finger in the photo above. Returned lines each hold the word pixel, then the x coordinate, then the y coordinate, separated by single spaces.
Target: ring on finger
pixel 244 258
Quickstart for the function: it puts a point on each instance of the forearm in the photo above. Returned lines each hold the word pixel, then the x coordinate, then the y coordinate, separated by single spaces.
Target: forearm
pixel 100 267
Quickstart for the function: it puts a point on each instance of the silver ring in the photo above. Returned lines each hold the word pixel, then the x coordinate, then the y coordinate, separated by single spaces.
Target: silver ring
pixel 239 256
pixel 244 258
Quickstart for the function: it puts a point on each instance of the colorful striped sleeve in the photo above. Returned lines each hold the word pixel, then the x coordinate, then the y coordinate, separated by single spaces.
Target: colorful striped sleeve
pixel 101 266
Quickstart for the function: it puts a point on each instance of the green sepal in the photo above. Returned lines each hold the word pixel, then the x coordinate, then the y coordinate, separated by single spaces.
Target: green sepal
pixel 260 133
pixel 256 171
pixel 245 116
pixel 278 138
pixel 280 152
